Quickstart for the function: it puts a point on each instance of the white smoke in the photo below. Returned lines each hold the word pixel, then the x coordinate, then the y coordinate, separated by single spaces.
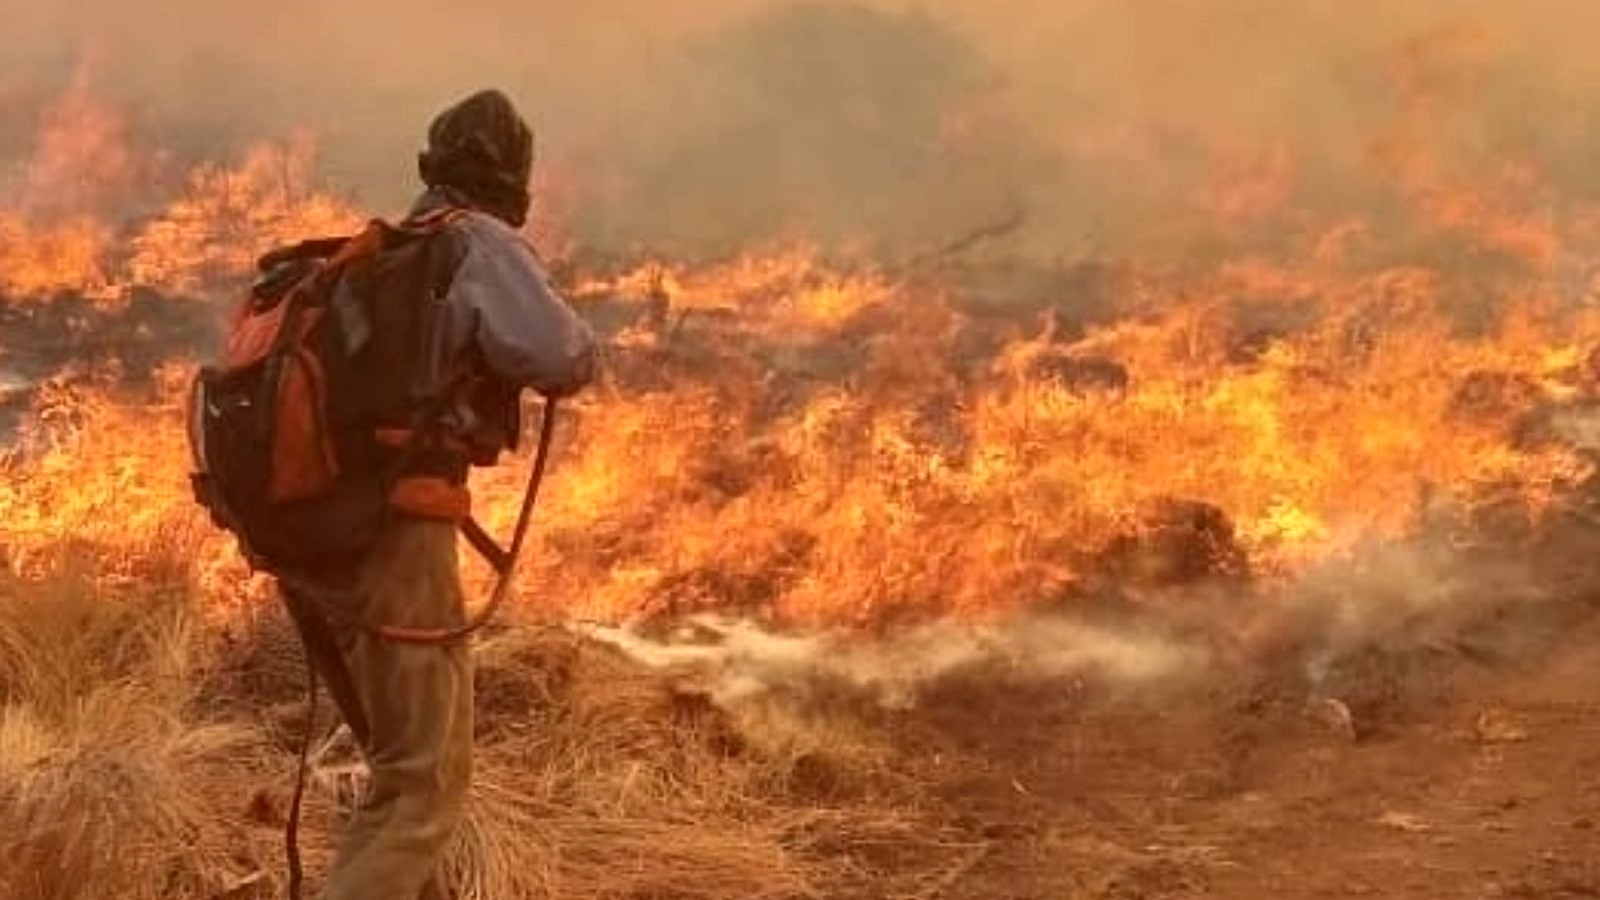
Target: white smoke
pixel 1384 598
pixel 741 660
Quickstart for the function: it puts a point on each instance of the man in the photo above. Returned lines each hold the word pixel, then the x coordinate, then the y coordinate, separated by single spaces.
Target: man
pixel 409 705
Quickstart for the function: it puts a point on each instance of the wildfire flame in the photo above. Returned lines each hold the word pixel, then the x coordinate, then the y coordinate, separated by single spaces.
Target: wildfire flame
pixel 848 443
pixel 64 227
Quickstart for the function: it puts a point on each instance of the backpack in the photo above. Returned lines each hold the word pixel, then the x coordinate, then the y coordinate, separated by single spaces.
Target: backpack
pixel 302 427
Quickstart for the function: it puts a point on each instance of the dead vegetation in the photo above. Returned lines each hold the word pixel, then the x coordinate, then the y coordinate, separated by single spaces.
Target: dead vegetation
pixel 144 753
pixel 112 783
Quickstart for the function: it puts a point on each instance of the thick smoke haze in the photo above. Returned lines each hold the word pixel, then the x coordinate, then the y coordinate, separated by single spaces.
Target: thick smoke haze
pixel 697 126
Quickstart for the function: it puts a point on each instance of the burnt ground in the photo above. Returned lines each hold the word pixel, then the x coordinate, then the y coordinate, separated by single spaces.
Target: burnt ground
pixel 1452 777
pixel 76 339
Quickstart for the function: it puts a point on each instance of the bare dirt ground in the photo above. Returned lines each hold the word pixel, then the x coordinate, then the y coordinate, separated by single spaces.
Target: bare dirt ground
pixel 1451 778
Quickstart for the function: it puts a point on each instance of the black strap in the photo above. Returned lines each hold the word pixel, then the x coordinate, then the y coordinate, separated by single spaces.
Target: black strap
pixel 291 830
pixel 314 248
pixel 440 264
pixel 496 556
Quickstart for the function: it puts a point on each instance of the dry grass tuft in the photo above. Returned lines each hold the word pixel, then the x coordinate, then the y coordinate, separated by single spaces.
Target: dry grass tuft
pixel 68 634
pixel 117 806
pixel 517 844
pixel 109 786
pixel 141 757
pixel 598 779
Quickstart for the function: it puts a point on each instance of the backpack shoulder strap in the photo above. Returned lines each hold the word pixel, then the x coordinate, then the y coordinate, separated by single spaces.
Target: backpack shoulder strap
pixel 367 242
pixel 434 220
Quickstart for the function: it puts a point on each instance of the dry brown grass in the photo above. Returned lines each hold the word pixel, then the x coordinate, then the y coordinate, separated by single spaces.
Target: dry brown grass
pixel 110 784
pixel 600 778
pixel 145 754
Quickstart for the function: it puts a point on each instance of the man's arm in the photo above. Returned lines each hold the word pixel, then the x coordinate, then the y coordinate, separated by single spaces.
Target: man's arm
pixel 501 302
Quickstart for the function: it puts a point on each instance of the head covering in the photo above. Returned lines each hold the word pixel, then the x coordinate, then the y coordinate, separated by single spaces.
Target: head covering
pixel 482 149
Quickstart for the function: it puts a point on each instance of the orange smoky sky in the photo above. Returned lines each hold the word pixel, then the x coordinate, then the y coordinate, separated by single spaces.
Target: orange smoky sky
pixel 696 125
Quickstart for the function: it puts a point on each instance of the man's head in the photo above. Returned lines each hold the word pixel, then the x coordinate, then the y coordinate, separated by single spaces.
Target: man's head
pixel 482 149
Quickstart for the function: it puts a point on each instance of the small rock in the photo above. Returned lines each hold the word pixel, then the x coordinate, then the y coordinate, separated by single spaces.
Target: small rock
pixel 1497 726
pixel 1403 822
pixel 1334 715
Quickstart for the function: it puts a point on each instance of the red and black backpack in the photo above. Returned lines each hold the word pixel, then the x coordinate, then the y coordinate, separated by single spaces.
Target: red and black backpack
pixel 316 418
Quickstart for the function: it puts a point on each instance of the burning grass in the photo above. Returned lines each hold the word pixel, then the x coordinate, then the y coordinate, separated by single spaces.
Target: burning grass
pixel 917 478
pixel 826 441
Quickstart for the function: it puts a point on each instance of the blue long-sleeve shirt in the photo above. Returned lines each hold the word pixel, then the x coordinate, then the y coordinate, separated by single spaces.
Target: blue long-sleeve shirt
pixel 501 312
pixel 500 304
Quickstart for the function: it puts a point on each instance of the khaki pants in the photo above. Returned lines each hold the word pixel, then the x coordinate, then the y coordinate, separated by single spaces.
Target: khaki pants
pixel 409 706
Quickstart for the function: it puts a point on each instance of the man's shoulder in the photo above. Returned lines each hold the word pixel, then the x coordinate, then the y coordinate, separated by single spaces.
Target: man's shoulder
pixel 481 228
pixel 491 252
